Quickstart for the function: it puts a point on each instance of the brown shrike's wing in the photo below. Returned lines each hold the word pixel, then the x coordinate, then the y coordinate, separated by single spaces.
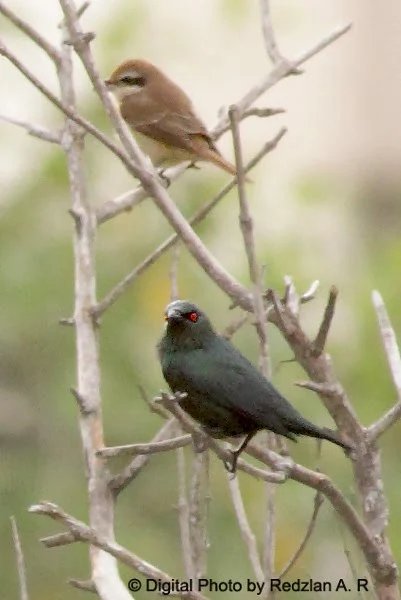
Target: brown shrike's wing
pixel 164 124
pixel 174 127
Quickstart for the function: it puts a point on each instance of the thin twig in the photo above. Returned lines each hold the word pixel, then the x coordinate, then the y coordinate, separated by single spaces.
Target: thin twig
pixel 189 425
pixel 83 533
pixel 253 112
pixel 198 505
pixel 150 448
pixel 119 482
pixel 320 482
pixel 69 112
pixel 129 279
pixel 318 501
pixel 255 273
pixel 183 514
pixel 85 586
pixel 235 326
pixel 268 33
pixel 320 341
pixel 354 570
pixel 175 261
pixel 247 534
pixel 30 32
pixel 283 69
pixel 394 360
pixel 36 131
pixel 246 223
pixel 269 537
pixel 23 587
pixel 129 199
pixel 59 539
pixel 319 388
pixel 311 292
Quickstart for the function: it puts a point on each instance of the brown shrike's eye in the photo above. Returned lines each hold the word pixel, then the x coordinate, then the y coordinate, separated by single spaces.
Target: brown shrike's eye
pixel 131 80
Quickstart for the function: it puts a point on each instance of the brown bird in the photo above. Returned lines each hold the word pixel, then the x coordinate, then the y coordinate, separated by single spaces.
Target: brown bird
pixel 162 117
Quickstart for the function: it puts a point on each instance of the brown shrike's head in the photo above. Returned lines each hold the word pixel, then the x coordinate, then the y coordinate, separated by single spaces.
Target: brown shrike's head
pixel 132 77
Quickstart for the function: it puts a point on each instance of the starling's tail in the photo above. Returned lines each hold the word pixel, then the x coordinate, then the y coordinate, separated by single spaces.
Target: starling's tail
pixel 333 436
pixel 323 433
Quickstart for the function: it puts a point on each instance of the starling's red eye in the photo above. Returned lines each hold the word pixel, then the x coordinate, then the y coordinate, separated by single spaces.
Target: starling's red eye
pixel 193 316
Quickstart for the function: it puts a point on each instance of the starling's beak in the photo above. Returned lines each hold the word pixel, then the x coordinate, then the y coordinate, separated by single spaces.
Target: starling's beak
pixel 173 314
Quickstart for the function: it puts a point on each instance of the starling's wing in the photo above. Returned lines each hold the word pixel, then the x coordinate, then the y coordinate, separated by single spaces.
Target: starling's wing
pixel 220 376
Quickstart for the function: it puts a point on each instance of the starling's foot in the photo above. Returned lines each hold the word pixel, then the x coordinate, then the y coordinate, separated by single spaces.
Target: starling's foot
pixel 231 464
pixel 166 180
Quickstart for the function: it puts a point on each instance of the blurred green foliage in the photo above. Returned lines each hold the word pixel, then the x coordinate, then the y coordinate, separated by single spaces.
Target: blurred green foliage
pixel 41 454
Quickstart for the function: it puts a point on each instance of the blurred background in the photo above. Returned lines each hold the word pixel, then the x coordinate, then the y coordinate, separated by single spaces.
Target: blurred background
pixel 326 205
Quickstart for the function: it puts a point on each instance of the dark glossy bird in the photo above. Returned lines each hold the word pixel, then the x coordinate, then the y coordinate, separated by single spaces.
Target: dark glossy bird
pixel 226 394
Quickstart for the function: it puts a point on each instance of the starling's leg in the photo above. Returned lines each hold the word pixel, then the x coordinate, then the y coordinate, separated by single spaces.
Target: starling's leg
pixel 193 165
pixel 231 466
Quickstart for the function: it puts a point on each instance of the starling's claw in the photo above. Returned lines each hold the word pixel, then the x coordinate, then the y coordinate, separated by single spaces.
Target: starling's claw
pixel 231 465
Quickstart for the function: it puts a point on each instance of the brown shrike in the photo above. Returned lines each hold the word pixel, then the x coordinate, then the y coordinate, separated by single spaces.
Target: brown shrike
pixel 162 117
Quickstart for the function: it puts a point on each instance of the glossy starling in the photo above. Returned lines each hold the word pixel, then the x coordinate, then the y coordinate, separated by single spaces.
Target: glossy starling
pixel 226 394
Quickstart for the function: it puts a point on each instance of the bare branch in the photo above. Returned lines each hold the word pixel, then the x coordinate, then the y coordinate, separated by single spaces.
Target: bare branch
pixel 183 515
pixel 283 69
pixel 310 294
pixel 319 388
pixel 59 539
pixel 129 279
pixel 119 482
pixel 150 448
pixel 246 223
pixel 268 33
pixel 175 260
pixel 30 32
pixel 70 113
pixel 85 586
pixel 132 198
pixel 23 588
pixel 261 113
pixel 36 131
pixel 189 425
pixel 234 326
pixel 269 537
pixel 247 534
pixel 101 502
pixel 317 504
pixel 321 338
pixel 83 533
pixel 198 506
pixel 394 360
pixel 378 557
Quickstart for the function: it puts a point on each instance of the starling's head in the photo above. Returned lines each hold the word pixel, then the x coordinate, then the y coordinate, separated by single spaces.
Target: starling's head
pixel 187 324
